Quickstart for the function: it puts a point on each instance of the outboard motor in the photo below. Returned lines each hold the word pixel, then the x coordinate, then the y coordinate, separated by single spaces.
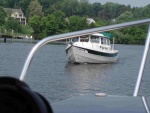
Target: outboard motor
pixel 17 97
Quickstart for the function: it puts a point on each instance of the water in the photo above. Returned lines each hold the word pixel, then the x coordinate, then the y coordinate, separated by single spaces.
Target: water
pixel 51 75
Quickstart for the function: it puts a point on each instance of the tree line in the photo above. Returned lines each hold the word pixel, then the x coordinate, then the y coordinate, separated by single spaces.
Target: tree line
pixel 50 17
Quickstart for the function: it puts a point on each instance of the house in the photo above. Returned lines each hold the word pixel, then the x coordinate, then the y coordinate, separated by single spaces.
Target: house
pixel 90 21
pixel 17 14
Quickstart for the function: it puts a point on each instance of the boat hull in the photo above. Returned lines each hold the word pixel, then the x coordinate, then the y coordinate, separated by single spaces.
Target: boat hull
pixel 82 55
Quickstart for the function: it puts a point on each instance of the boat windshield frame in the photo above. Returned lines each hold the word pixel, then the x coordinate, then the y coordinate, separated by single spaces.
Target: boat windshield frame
pixel 75 39
pixel 100 39
pixel 84 38
pixel 105 40
pixel 95 39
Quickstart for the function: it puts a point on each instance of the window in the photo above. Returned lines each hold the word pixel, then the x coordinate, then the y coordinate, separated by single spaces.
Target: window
pixel 105 41
pixel 84 39
pixel 75 39
pixel 95 39
pixel 16 15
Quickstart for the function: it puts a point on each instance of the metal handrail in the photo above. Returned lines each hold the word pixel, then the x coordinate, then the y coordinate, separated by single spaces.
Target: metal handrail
pixel 79 33
pixel 145 103
pixel 141 70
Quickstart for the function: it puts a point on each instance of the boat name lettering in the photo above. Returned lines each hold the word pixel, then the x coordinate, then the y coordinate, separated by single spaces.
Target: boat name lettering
pixel 82 50
pixel 103 48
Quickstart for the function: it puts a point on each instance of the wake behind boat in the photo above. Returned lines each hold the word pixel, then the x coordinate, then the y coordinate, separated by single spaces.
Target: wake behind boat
pixel 95 48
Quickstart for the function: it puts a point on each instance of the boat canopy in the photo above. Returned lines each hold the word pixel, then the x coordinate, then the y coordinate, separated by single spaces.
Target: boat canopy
pixel 107 34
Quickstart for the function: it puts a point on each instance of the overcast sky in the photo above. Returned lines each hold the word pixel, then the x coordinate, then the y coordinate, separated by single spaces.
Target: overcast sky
pixel 133 3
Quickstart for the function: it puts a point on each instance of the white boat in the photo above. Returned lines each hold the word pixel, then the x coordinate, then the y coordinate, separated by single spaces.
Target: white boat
pixel 95 48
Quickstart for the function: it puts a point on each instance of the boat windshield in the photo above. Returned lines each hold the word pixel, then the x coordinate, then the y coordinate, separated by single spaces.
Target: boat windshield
pixel 84 39
pixel 105 40
pixel 95 39
pixel 76 39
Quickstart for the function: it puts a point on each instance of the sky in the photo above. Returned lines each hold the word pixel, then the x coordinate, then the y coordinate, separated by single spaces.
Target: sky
pixel 133 3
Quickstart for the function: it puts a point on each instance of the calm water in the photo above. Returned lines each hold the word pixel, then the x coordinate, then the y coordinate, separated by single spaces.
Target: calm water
pixel 51 75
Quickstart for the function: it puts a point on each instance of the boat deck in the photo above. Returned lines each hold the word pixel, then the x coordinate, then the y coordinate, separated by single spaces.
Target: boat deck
pixel 93 104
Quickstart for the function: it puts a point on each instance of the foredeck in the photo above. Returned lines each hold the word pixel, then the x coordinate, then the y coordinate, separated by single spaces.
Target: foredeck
pixel 93 104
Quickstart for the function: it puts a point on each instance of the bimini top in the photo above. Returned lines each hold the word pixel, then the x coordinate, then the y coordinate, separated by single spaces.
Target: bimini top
pixel 97 34
pixel 107 34
pixel 103 34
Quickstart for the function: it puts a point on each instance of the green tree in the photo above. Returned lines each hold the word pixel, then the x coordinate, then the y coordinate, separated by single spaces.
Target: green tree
pixel 11 3
pixel 4 3
pixel 35 8
pixel 23 4
pixel 60 19
pixel 51 25
pixel 97 7
pixel 125 17
pixel 2 16
pixel 69 7
pixel 36 22
pixel 145 11
pixel 77 23
pixel 84 9
pixel 13 24
pixel 100 22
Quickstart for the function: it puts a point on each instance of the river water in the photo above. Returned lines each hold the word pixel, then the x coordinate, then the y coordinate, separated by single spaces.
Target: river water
pixel 51 75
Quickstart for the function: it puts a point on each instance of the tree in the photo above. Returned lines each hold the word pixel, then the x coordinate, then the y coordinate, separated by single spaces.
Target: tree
pixel 100 22
pixel 51 25
pixel 84 9
pixel 48 25
pixel 96 8
pixel 69 7
pixel 60 19
pixel 2 16
pixel 35 8
pixel 36 22
pixel 4 3
pixel 24 5
pixel 127 16
pixel 13 24
pixel 145 11
pixel 55 23
pixel 77 23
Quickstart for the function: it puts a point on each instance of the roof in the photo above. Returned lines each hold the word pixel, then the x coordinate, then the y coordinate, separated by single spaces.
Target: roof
pixel 10 11
pixel 90 20
pixel 107 34
pixel 98 34
pixel 104 34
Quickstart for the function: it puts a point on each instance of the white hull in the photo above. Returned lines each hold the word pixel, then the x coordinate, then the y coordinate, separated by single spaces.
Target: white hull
pixel 77 55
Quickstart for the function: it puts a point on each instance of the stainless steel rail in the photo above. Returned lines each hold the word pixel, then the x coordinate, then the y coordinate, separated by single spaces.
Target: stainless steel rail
pixel 79 33
pixel 145 104
pixel 141 70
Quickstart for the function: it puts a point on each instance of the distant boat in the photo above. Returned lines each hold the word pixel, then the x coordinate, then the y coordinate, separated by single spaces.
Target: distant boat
pixel 95 48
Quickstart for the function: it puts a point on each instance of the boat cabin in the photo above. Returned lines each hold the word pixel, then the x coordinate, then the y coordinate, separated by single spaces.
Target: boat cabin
pixel 94 38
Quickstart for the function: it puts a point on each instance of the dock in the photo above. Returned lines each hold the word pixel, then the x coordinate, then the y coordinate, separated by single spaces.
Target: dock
pixel 10 35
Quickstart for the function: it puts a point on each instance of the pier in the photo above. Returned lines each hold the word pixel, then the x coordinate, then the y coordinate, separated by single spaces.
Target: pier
pixel 10 35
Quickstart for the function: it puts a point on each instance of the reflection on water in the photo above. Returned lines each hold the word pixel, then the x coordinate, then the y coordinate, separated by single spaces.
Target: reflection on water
pixel 87 77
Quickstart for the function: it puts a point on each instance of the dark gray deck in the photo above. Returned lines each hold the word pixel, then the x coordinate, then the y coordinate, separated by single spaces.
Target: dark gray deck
pixel 94 104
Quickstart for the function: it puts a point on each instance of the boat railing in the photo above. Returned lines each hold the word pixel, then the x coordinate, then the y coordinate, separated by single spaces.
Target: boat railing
pixel 88 32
